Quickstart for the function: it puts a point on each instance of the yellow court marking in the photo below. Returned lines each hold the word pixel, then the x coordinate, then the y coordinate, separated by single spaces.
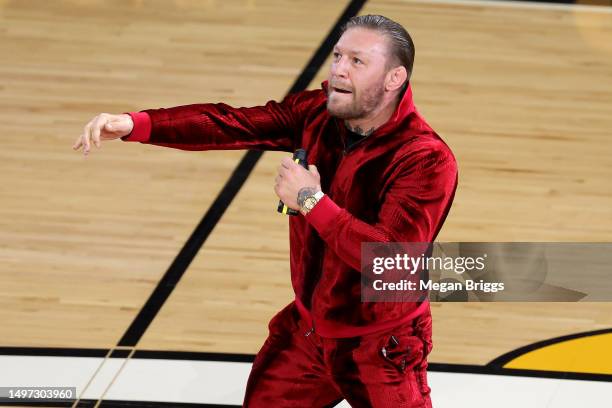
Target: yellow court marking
pixel 589 354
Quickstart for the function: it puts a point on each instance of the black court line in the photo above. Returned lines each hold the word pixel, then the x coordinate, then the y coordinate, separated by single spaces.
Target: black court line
pixel 182 261
pixel 194 356
pixel 504 359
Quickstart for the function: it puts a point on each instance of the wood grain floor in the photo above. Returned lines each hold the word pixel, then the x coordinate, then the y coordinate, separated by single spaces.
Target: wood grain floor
pixel 522 95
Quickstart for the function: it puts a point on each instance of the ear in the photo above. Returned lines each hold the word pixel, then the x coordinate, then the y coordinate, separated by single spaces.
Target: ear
pixel 395 78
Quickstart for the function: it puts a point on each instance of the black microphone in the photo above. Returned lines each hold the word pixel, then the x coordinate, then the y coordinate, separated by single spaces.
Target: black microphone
pixel 300 158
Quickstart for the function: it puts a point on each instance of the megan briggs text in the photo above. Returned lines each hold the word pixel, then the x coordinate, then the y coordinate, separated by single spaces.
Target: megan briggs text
pixel 439 286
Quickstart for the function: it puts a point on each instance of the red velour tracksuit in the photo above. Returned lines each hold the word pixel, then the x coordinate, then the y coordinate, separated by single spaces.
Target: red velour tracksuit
pixel 395 185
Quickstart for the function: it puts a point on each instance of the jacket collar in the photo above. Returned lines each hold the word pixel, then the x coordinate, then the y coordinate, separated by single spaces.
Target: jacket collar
pixel 404 109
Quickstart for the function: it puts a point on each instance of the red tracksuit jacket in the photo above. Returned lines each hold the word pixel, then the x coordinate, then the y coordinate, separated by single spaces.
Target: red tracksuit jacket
pixel 396 185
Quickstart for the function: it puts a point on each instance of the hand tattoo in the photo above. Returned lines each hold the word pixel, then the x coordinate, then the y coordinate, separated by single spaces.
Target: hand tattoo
pixel 358 130
pixel 303 193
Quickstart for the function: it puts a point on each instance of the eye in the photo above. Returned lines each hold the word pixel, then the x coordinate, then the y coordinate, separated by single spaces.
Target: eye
pixel 357 60
pixel 336 55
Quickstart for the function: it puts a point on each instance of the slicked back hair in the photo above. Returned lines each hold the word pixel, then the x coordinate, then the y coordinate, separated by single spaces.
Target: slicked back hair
pixel 402 47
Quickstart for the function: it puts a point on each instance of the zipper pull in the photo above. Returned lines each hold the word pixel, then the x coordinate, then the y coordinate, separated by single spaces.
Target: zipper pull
pixel 309 332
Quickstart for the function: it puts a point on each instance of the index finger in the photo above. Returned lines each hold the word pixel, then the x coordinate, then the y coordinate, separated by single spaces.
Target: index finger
pixel 96 129
pixel 287 162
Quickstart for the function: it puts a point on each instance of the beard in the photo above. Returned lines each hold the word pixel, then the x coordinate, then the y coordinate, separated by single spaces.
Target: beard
pixel 354 105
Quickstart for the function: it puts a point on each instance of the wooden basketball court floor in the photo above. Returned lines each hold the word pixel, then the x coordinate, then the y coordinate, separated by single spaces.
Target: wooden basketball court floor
pixel 100 258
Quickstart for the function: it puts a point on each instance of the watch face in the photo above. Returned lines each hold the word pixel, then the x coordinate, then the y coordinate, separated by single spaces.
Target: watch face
pixel 309 203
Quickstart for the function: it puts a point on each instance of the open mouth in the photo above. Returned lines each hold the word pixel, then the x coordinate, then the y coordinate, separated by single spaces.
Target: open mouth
pixel 340 90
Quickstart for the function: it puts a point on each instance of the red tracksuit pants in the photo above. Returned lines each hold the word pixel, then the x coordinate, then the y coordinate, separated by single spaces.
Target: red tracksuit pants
pixel 298 368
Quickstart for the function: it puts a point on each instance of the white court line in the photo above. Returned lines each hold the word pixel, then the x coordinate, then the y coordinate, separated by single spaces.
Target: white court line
pixel 522 4
pixel 217 382
pixel 48 371
pixel 210 382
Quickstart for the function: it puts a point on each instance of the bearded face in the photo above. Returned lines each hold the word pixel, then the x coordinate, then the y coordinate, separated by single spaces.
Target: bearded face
pixel 346 102
pixel 357 74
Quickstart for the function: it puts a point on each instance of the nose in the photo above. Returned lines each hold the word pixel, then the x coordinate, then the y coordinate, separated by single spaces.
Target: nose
pixel 339 68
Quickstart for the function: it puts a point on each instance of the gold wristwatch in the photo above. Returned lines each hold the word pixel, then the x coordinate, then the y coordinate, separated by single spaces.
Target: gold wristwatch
pixel 311 201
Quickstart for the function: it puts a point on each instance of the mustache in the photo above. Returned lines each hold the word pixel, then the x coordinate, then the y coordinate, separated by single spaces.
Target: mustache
pixel 337 85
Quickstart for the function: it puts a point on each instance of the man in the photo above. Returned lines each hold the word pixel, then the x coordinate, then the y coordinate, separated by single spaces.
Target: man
pixel 379 173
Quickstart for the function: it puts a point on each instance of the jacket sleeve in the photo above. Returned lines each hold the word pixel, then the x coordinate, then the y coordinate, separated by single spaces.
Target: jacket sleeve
pixel 218 126
pixel 413 209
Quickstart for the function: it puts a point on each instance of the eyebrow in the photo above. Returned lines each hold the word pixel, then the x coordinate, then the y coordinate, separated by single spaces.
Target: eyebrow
pixel 350 51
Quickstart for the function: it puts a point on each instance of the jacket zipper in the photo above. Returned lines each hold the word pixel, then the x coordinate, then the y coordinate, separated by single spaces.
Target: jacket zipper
pixel 320 269
pixel 345 149
pixel 352 147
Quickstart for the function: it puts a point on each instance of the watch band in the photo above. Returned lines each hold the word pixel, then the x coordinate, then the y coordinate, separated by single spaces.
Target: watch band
pixel 308 205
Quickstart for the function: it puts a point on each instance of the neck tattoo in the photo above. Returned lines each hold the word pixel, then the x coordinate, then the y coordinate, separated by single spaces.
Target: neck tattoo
pixel 359 130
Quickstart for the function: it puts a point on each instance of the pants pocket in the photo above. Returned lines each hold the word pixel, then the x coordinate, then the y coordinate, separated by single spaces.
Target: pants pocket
pixel 404 352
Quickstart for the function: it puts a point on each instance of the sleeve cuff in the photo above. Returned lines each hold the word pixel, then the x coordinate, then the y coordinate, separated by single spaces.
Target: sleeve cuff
pixel 323 215
pixel 142 128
